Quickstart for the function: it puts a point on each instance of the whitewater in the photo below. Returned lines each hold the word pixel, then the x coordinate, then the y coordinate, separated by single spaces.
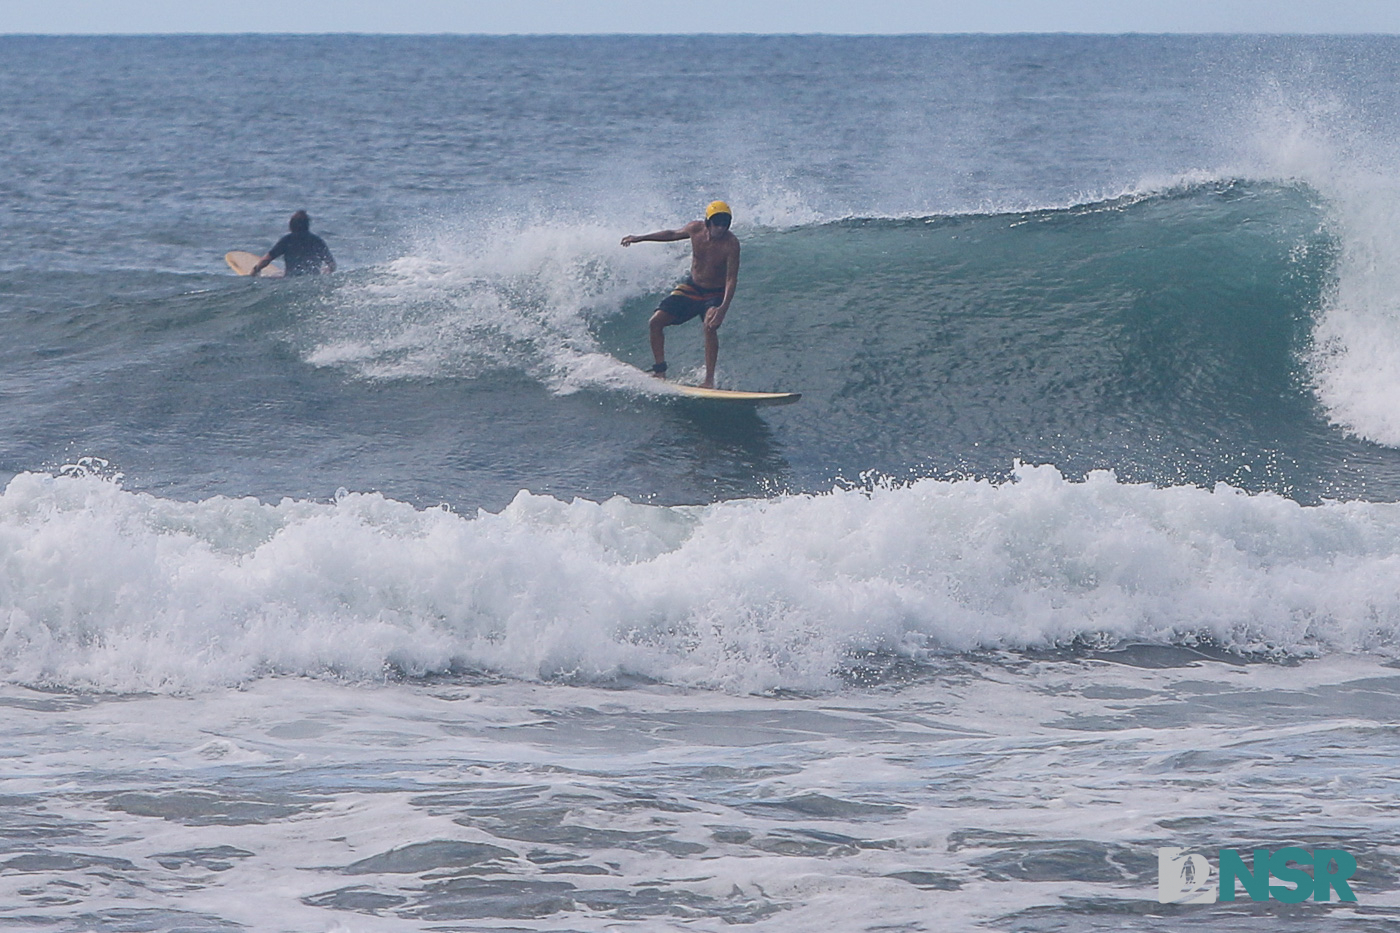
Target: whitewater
pixel 403 600
pixel 112 590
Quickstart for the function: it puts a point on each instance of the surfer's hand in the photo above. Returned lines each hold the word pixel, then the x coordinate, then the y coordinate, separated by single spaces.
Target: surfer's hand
pixel 255 272
pixel 714 318
pixel 628 240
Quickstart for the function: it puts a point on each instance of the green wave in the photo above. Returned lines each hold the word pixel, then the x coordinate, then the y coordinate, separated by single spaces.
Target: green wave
pixel 1160 336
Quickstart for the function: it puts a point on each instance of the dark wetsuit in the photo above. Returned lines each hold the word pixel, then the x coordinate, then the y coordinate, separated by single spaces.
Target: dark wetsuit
pixel 305 253
pixel 689 300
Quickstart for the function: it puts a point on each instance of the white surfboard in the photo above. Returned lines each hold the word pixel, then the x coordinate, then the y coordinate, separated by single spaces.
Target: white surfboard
pixel 243 264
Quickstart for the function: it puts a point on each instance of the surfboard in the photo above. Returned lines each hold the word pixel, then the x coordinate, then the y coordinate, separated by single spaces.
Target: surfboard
pixel 243 264
pixel 735 397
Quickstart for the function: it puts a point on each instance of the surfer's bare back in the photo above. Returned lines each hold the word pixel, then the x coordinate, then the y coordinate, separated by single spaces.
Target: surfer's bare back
pixel 708 290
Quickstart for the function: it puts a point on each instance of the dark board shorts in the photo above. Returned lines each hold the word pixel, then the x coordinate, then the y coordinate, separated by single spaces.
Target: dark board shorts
pixel 688 300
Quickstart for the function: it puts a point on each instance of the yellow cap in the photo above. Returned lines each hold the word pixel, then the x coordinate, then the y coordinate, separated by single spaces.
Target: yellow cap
pixel 717 207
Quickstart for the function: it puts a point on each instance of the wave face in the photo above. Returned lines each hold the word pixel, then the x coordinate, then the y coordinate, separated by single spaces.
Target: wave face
pixel 108 589
pixel 1169 336
pixel 1159 335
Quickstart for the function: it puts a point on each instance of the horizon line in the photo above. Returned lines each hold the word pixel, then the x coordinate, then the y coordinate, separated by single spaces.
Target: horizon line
pixel 673 35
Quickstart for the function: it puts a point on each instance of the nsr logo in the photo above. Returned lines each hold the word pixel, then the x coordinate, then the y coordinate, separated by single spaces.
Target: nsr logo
pixel 1184 877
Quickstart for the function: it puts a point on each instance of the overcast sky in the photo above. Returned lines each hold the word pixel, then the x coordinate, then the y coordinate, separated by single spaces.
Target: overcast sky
pixel 690 16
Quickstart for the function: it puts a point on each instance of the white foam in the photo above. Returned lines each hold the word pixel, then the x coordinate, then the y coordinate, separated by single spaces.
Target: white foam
pixel 519 297
pixel 110 589
pixel 1354 360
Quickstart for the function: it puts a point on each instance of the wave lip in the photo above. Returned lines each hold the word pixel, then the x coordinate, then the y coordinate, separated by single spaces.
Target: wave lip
pixel 112 590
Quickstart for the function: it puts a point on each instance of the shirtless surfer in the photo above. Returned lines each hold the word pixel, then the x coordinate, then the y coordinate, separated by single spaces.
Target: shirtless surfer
pixel 708 290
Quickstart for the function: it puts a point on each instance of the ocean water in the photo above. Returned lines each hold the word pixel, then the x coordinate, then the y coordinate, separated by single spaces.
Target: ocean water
pixel 400 599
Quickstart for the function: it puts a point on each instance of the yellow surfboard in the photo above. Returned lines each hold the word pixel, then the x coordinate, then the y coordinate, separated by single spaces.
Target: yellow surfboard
pixel 739 398
pixel 243 264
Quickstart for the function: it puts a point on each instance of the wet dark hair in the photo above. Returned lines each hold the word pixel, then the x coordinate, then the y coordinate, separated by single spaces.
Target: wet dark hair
pixel 300 222
pixel 719 219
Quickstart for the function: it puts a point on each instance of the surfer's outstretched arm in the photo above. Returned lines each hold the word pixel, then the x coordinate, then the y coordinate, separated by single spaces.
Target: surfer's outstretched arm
pixel 661 236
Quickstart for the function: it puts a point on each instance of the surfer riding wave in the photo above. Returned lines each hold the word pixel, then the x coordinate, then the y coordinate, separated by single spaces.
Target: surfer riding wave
pixel 708 290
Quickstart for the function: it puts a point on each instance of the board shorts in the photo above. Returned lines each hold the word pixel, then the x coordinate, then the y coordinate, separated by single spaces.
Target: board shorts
pixel 688 300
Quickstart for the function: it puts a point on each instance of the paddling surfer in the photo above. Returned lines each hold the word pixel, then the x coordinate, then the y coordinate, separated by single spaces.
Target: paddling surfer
pixel 708 290
pixel 305 253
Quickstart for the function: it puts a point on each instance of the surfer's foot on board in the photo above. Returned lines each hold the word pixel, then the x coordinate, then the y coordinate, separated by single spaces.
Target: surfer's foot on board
pixel 659 370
